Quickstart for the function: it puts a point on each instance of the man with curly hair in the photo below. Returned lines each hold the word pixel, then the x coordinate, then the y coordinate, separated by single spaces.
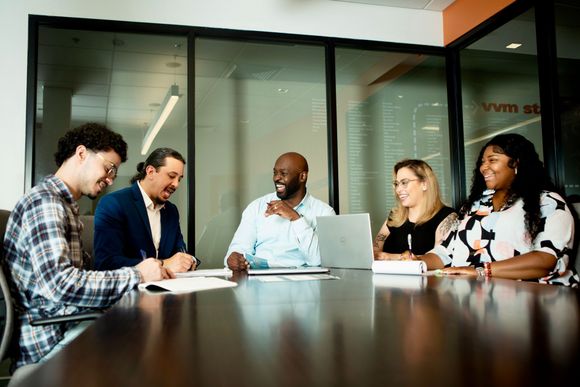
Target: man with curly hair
pixel 43 249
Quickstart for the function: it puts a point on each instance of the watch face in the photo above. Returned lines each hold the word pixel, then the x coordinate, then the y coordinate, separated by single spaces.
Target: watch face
pixel 480 271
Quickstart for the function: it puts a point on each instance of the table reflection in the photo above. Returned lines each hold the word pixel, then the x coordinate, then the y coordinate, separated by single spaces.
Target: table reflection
pixel 360 330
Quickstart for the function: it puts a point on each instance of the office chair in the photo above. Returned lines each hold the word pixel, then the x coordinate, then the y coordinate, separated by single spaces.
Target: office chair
pixel 87 237
pixel 577 258
pixel 7 315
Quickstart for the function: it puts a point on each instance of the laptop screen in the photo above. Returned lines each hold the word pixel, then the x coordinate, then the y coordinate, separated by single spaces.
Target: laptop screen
pixel 345 241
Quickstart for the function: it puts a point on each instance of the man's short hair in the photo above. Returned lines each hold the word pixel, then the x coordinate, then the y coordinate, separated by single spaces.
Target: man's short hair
pixel 95 137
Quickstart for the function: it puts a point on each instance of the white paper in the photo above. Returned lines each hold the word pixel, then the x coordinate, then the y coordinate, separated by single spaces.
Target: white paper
pixel 399 267
pixel 224 272
pixel 185 285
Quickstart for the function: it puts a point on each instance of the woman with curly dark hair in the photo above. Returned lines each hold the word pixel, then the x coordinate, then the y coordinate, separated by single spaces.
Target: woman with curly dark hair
pixel 513 225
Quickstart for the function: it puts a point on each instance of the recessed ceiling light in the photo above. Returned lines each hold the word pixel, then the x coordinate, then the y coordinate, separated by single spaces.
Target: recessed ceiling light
pixel 282 91
pixel 513 46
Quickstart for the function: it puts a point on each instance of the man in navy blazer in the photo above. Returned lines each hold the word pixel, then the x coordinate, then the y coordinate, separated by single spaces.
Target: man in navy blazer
pixel 138 222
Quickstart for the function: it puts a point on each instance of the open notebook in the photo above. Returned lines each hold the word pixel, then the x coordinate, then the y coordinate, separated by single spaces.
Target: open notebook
pixel 185 285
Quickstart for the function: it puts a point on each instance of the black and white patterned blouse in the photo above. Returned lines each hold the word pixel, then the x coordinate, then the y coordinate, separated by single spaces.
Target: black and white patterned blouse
pixel 485 235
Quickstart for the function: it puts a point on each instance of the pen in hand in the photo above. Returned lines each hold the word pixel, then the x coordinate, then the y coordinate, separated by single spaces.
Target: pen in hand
pixel 197 262
pixel 409 239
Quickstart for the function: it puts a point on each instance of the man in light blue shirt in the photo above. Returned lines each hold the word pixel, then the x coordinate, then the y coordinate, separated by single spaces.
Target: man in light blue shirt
pixel 279 229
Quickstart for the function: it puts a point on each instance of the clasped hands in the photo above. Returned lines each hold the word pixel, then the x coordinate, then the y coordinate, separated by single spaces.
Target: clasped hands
pixel 281 208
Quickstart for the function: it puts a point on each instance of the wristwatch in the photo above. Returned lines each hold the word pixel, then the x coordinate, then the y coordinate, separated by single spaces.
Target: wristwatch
pixel 480 272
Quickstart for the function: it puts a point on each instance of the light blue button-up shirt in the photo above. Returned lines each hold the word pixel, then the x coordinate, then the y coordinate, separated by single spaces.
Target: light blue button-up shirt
pixel 277 240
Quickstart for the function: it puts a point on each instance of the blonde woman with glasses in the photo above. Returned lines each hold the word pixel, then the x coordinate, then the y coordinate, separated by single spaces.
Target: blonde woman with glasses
pixel 420 220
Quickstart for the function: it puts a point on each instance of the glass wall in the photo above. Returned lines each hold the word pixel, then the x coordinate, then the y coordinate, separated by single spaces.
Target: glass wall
pixel 390 106
pixel 568 49
pixel 253 102
pixel 500 88
pixel 117 79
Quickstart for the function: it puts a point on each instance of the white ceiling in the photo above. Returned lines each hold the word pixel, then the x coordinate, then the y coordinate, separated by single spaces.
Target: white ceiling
pixel 120 79
pixel 429 5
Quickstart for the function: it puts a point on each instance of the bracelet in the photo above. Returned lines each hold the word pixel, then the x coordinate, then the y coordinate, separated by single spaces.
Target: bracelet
pixel 487 269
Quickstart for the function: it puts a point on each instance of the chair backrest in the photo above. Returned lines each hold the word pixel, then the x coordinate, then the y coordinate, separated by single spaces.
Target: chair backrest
pixel 6 307
pixel 87 236
pixel 577 258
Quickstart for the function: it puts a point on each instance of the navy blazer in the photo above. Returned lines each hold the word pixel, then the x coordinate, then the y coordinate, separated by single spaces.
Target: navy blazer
pixel 122 231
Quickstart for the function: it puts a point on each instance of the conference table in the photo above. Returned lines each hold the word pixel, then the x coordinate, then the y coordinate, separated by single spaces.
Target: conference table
pixel 359 329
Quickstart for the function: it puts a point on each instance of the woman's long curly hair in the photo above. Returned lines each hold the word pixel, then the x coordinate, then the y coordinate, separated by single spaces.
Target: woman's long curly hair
pixel 529 182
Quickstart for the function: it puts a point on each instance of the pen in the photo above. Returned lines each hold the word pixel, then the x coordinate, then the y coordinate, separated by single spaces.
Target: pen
pixel 182 249
pixel 409 243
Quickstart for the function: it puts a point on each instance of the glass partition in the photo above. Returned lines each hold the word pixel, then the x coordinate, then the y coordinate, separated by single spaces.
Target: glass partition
pixel 116 79
pixel 568 49
pixel 253 102
pixel 390 106
pixel 499 77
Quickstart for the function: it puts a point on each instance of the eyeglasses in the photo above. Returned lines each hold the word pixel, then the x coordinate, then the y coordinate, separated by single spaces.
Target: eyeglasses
pixel 403 183
pixel 111 170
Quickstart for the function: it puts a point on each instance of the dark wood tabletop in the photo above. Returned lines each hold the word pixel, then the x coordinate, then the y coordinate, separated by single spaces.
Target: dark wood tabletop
pixel 359 330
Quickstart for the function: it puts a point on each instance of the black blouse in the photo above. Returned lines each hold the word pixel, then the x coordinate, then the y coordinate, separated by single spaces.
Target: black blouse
pixel 423 235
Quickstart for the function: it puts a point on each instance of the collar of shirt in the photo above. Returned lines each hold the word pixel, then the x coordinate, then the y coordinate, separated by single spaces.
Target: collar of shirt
pixel 148 202
pixel 299 206
pixel 61 188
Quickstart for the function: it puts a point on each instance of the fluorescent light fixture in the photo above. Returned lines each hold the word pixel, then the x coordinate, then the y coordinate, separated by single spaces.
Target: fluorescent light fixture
pixel 164 111
pixel 503 130
pixel 513 46
pixel 430 127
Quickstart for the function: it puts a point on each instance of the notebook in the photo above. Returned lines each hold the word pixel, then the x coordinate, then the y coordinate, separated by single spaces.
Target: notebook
pixel 345 241
pixel 184 285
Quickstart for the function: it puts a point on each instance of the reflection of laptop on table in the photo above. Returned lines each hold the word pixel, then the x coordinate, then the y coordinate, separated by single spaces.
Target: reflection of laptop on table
pixel 289 270
pixel 345 241
pixel 259 266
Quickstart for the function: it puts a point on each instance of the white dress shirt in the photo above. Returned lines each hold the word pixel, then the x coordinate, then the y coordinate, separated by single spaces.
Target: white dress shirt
pixel 154 215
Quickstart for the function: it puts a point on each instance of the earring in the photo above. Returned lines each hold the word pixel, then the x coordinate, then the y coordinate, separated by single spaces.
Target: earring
pixel 516 170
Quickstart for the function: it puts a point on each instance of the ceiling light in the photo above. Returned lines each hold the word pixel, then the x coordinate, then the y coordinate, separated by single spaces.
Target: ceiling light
pixel 513 46
pixel 282 90
pixel 164 111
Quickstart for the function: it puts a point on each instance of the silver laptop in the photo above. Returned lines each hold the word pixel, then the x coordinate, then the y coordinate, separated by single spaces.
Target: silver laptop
pixel 345 241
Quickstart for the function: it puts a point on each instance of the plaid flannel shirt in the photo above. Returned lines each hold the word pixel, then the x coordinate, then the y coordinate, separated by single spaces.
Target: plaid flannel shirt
pixel 45 262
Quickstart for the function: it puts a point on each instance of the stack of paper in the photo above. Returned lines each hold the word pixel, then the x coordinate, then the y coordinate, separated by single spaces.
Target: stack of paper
pixel 185 285
pixel 399 267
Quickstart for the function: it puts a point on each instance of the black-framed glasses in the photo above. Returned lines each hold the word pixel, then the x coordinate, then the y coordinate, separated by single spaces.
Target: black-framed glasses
pixel 111 170
pixel 403 182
